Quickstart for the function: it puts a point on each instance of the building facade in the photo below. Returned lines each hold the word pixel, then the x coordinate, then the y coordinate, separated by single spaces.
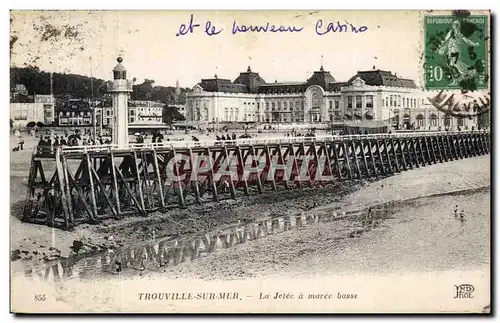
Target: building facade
pixel 139 113
pixel 369 95
pixel 39 109
pixel 75 113
pixel 142 112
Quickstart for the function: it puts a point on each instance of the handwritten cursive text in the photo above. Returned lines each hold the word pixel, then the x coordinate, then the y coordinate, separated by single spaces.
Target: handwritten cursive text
pixel 338 28
pixel 321 28
pixel 184 29
pixel 264 28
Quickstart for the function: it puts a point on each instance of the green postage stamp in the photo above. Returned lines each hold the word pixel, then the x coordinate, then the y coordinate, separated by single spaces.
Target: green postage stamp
pixel 456 52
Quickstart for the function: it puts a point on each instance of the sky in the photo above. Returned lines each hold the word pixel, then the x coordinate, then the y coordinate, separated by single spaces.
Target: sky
pixel 90 41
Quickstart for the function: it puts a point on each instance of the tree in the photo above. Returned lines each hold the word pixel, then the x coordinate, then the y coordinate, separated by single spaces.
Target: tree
pixel 38 82
pixel 143 91
pixel 171 114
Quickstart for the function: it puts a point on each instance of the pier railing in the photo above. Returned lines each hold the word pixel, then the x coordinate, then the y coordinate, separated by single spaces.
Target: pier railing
pixel 257 141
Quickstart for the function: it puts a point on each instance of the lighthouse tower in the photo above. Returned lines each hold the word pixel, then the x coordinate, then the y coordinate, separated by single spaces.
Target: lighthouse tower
pixel 120 89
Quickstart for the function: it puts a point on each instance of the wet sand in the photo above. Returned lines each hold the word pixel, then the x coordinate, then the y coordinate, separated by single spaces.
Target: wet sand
pixel 420 235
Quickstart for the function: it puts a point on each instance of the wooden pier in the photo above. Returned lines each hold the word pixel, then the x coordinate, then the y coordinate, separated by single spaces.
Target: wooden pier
pixel 72 185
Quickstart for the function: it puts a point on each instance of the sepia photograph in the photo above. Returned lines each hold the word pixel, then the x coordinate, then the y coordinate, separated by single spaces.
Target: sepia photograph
pixel 284 161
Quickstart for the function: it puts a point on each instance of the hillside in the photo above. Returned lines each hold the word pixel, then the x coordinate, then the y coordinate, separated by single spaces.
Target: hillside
pixel 79 86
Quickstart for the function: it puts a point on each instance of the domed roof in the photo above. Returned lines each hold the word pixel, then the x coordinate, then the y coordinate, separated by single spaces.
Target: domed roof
pixel 119 67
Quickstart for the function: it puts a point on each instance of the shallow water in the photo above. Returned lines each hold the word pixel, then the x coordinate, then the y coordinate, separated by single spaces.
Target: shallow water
pixel 422 234
pixel 163 252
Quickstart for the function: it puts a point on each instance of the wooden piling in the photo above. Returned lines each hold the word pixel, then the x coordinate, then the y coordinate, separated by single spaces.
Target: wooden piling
pixel 346 159
pixel 281 160
pixel 158 178
pixel 327 159
pixel 387 155
pixel 269 158
pixel 194 173
pixel 259 184
pixel 372 158
pixel 231 183
pixel 402 153
pixel 182 203
pixel 64 198
pixel 333 147
pixel 363 155
pixel 91 182
pixel 394 153
pixel 215 195
pixel 438 147
pixel 355 156
pixel 379 153
pixel 413 143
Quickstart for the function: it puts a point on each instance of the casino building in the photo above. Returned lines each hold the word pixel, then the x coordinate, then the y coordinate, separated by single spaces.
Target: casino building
pixel 369 95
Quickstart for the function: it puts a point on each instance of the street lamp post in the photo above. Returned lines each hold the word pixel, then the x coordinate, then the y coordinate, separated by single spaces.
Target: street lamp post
pixel 94 120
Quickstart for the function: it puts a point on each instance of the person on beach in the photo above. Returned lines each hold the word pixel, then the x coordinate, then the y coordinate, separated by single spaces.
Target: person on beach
pixel 51 199
pixel 462 216
pixel 225 187
pixel 143 267
pixel 21 143
pixel 118 267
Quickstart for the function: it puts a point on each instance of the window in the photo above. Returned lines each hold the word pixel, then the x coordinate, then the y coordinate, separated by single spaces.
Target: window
pixel 433 120
pixel 108 113
pixel 460 122
pixel 447 120
pixel 316 100
pixel 267 105
pixel 369 101
pixel 391 101
pixel 359 101
pixel 331 106
pixel 420 120
pixel 272 106
pixel 349 102
pixel 337 104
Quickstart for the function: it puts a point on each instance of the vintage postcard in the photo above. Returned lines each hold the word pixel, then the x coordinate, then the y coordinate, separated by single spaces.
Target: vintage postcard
pixel 250 161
